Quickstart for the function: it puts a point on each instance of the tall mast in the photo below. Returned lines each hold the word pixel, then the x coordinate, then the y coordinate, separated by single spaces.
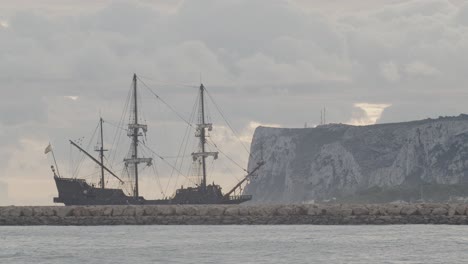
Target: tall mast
pixel 134 133
pixel 101 154
pixel 201 133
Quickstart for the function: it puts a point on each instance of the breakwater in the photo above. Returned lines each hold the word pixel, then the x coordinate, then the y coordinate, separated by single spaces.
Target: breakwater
pixel 316 214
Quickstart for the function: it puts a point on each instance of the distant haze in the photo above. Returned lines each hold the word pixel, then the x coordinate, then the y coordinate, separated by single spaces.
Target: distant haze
pixel 277 62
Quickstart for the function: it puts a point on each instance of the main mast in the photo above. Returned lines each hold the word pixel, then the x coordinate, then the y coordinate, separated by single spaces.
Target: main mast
pixel 101 153
pixel 134 132
pixel 201 133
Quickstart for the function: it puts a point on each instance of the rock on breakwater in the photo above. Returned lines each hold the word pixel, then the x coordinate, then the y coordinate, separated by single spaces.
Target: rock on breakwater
pixel 319 214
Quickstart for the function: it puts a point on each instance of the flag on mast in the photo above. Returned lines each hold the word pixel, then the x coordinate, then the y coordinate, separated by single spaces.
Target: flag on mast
pixel 48 149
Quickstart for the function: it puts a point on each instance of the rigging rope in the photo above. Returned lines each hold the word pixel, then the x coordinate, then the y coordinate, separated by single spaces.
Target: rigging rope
pixel 166 83
pixel 164 102
pixel 190 125
pixel 185 140
pixel 80 162
pixel 158 180
pixel 176 157
pixel 155 173
pixel 161 158
pixel 229 125
pixel 118 133
pixel 116 126
pixel 220 151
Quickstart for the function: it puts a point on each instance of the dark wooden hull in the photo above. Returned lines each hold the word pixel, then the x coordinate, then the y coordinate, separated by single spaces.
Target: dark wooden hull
pixel 79 192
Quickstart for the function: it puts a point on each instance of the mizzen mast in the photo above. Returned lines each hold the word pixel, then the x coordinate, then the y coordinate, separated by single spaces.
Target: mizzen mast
pixel 134 132
pixel 201 133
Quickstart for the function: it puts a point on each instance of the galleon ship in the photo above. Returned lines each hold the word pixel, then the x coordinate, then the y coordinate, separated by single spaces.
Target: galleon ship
pixel 78 191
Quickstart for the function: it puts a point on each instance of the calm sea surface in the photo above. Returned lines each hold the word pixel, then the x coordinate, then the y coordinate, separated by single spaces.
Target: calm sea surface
pixel 235 244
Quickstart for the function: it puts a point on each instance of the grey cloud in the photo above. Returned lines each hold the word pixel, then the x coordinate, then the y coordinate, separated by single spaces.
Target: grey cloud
pixel 462 15
pixel 283 47
pixel 31 110
pixel 413 8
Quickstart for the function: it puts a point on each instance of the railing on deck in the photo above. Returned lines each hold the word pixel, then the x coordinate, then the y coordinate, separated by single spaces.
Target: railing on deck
pixel 239 197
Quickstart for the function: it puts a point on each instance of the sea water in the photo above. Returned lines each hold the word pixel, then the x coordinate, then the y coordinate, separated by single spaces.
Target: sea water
pixel 234 244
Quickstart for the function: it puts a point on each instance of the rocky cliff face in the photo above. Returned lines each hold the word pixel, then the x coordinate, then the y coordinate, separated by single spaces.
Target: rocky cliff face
pixel 400 161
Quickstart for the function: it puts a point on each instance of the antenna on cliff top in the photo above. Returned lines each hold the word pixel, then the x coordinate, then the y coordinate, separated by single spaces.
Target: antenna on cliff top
pixel 323 114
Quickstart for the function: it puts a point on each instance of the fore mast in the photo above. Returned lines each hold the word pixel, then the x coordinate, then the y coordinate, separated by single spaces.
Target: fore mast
pixel 200 132
pixel 132 160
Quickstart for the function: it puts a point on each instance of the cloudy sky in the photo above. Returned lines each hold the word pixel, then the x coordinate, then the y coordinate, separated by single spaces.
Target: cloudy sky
pixel 274 62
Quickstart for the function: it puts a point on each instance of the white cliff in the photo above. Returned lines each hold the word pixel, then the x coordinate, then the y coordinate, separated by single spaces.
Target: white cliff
pixel 340 160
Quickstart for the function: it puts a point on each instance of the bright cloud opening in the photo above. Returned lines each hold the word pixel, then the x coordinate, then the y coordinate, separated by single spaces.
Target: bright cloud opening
pixel 369 114
pixel 72 97
pixel 4 24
